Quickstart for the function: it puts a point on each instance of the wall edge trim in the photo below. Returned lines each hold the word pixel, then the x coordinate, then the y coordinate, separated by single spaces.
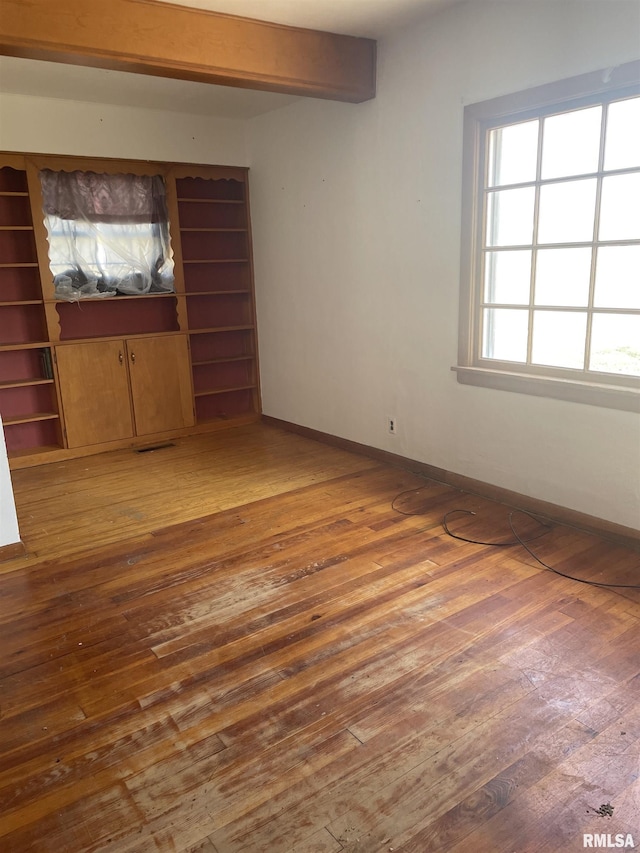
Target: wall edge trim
pixel 10 552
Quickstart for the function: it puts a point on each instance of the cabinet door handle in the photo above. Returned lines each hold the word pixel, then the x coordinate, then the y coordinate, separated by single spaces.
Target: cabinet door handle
pixel 133 357
pixel 120 357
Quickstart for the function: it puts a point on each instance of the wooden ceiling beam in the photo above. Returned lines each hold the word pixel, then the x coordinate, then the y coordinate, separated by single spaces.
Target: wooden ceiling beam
pixel 165 40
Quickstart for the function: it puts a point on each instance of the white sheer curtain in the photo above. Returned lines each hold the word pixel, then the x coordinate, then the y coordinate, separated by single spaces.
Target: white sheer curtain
pixel 108 234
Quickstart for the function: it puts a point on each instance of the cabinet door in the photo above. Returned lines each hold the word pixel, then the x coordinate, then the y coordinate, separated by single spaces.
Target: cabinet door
pixel 160 383
pixel 94 388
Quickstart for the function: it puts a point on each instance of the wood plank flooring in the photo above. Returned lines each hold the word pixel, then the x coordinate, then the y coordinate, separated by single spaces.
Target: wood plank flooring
pixel 236 645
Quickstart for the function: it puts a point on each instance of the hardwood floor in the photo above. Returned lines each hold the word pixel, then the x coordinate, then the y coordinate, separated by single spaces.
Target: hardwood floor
pixel 236 644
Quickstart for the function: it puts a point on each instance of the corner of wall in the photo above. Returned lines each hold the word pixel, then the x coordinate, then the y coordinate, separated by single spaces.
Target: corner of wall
pixel 9 532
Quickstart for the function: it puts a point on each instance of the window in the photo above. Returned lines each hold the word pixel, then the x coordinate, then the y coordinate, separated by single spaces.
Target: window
pixel 551 231
pixel 108 234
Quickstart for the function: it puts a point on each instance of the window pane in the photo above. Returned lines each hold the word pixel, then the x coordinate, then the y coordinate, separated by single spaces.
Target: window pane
pixel 571 143
pixel 510 217
pixel 513 154
pixel 622 145
pixel 559 338
pixel 567 212
pixel 620 207
pixel 505 332
pixel 562 276
pixel 507 277
pixel 618 277
pixel 615 344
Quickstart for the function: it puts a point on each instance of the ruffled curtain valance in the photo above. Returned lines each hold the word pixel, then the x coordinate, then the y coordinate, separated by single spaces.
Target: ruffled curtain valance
pixel 104 197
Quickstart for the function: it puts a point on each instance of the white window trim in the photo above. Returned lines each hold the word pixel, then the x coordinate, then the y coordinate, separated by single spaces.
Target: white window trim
pixel 612 392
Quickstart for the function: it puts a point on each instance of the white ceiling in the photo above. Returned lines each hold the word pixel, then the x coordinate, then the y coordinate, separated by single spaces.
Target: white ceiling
pixel 369 18
pixel 96 85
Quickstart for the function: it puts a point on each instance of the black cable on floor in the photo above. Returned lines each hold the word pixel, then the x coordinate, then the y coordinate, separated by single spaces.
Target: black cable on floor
pixel 562 574
pixel 518 540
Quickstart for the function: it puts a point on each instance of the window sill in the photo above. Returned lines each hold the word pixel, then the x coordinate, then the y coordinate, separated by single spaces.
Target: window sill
pixel 571 390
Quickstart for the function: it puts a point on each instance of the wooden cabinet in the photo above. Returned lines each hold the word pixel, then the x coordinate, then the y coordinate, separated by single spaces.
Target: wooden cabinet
pixel 94 388
pixel 160 384
pixel 93 373
pixel 114 390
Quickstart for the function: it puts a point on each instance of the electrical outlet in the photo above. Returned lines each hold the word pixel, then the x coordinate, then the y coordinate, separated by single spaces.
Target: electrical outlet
pixel 392 426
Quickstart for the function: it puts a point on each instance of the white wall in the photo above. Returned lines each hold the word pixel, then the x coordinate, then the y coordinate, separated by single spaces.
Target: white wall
pixel 54 126
pixel 356 220
pixel 9 533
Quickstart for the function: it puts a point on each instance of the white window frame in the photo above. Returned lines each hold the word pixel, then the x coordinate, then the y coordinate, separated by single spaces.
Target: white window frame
pixel 601 389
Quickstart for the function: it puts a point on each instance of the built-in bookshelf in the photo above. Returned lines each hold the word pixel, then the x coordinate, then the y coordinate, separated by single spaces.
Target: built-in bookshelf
pixel 211 314
pixel 216 254
pixel 28 399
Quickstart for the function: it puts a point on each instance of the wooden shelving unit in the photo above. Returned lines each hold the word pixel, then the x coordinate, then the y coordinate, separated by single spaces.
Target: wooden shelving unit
pixel 47 400
pixel 216 252
pixel 28 399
